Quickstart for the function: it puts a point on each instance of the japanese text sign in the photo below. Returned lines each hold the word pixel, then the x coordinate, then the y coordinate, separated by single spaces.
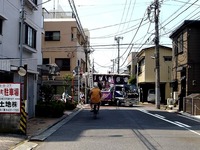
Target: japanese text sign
pixel 10 98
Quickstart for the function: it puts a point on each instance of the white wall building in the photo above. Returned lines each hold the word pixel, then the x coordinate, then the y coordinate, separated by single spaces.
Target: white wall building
pixel 15 52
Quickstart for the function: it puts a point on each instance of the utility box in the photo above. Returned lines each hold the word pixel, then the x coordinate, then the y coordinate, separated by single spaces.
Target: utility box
pixel 191 104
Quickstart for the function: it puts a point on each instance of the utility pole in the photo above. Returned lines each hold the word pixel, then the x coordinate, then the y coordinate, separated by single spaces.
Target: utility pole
pixel 86 54
pixel 78 82
pixel 113 65
pixel 118 41
pixel 157 55
pixel 21 32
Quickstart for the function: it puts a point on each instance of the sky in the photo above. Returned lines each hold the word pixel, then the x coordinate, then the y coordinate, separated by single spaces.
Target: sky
pixel 128 20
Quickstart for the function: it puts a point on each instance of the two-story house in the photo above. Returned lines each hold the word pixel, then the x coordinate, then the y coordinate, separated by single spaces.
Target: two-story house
pixel 20 45
pixel 146 71
pixel 186 62
pixel 64 46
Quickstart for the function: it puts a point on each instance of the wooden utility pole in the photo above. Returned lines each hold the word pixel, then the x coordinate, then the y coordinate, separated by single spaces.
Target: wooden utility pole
pixel 157 55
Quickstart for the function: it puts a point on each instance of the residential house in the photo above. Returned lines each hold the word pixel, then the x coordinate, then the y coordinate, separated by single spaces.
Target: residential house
pixel 146 71
pixel 186 62
pixel 20 45
pixel 64 45
pixel 132 64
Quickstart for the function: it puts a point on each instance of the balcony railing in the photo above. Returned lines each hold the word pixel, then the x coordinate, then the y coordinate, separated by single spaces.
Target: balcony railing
pixel 51 15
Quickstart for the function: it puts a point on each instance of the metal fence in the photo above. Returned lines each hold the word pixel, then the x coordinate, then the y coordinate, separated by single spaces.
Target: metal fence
pixel 191 104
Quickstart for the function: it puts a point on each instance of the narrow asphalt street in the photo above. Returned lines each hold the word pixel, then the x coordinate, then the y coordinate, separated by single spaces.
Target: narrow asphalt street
pixel 139 127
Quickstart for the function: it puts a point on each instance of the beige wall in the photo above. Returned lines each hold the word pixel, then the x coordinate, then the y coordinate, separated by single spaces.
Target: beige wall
pixel 65 28
pixel 165 66
pixel 148 70
pixel 149 66
pixel 66 47
pixel 141 76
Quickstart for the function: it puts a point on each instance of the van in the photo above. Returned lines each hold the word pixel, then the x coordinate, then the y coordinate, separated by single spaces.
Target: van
pixel 151 95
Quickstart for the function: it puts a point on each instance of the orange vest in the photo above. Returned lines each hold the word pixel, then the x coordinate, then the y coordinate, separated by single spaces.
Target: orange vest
pixel 95 95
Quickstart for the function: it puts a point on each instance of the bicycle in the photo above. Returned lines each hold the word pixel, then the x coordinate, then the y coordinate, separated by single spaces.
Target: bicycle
pixel 95 110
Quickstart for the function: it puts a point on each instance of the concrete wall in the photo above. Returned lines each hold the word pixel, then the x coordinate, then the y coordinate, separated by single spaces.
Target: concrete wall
pixel 9 123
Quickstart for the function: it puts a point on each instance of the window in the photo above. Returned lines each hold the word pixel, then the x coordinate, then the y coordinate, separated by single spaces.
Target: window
pixel 73 33
pixel 175 47
pixel 1 26
pixel 167 58
pixel 63 63
pixel 72 36
pixel 45 61
pixel 52 36
pixel 178 44
pixel 141 64
pixel 30 36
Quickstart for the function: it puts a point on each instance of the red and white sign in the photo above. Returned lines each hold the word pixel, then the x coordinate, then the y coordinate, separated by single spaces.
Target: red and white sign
pixel 10 97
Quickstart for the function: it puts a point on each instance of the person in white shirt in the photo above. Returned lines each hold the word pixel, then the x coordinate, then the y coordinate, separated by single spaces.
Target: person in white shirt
pixel 82 97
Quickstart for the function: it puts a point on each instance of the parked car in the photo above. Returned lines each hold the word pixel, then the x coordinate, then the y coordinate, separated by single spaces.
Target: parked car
pixel 151 95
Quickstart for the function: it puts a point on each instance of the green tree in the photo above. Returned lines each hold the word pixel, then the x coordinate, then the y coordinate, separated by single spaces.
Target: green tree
pixel 68 78
pixel 47 92
pixel 132 80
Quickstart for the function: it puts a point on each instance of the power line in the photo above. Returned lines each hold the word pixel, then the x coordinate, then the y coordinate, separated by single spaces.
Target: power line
pixel 108 26
pixel 122 16
pixel 135 27
pixel 73 7
pixel 134 36
pixel 180 13
pixel 101 65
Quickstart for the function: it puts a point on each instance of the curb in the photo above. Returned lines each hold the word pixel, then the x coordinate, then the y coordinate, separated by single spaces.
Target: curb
pixel 25 145
pixel 189 116
pixel 41 136
pixel 55 126
pixel 63 117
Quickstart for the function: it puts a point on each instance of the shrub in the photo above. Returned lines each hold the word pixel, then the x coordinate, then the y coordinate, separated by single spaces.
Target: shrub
pixel 70 105
pixel 51 109
pixel 46 92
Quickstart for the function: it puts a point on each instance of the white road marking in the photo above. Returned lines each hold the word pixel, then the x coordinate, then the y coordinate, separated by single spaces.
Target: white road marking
pixel 159 116
pixel 175 123
pixel 185 125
